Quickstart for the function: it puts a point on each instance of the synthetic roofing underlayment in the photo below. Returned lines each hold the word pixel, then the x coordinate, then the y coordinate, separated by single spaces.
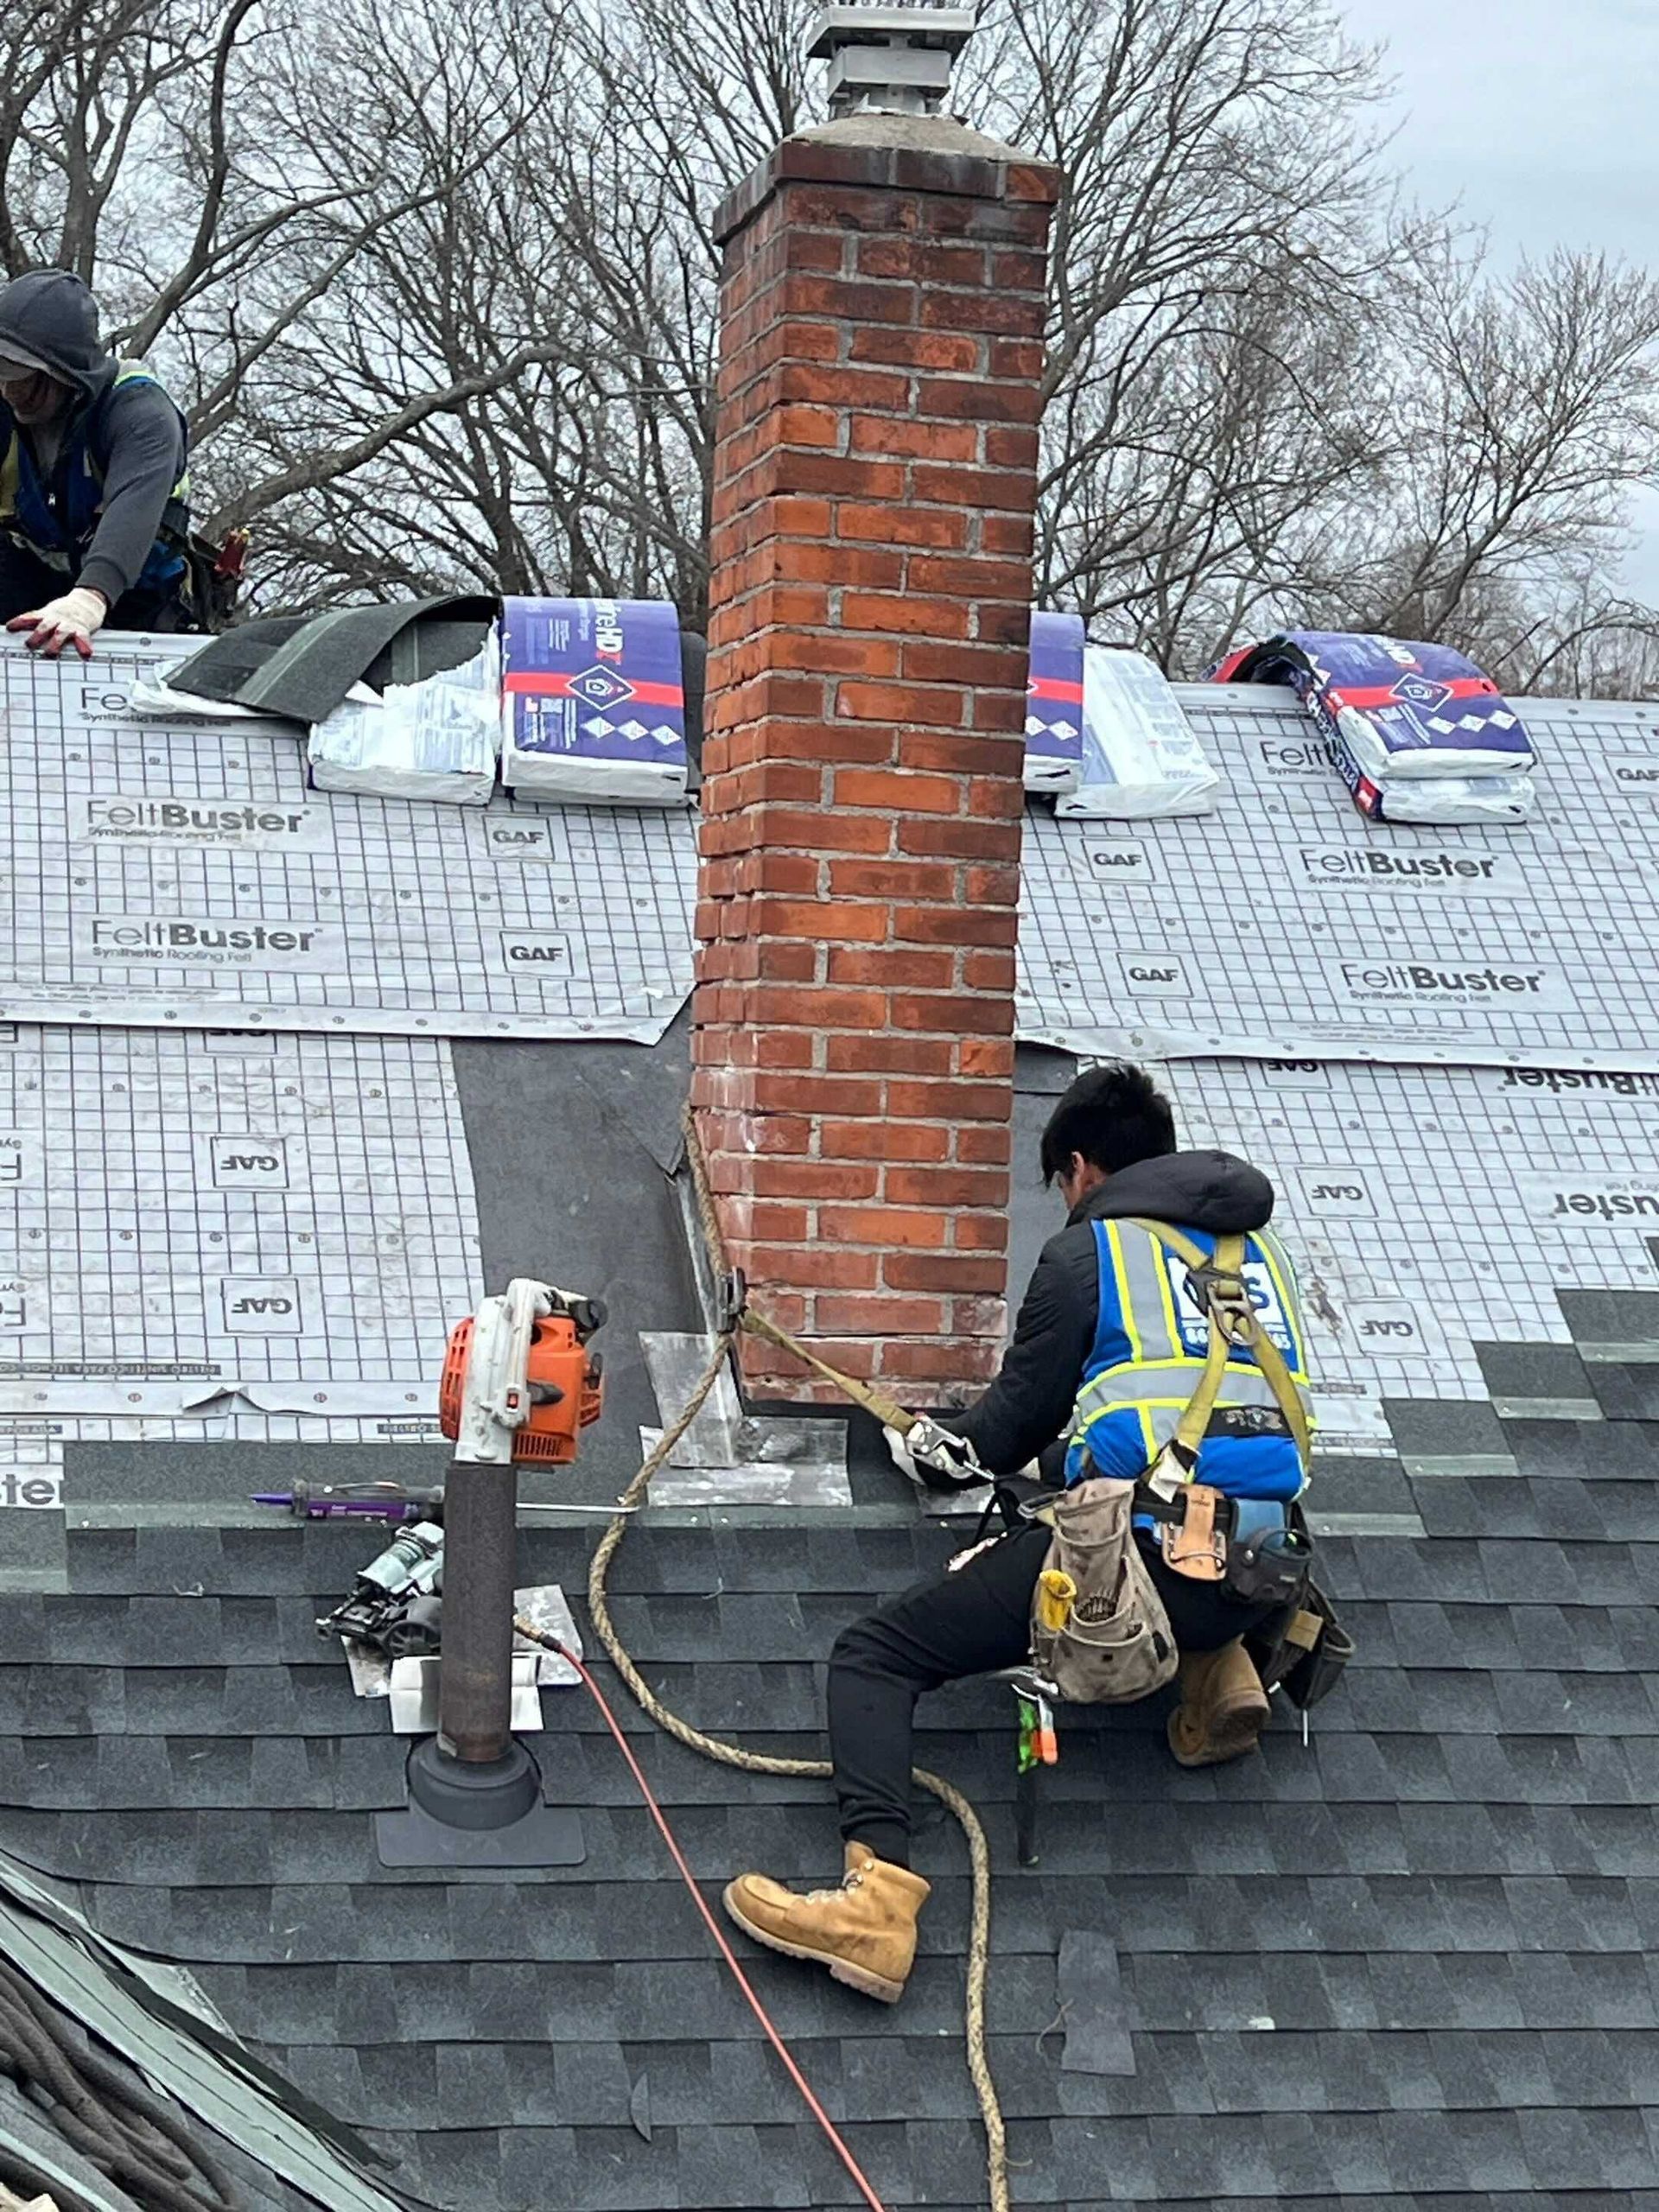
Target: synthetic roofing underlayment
pixel 1403 1965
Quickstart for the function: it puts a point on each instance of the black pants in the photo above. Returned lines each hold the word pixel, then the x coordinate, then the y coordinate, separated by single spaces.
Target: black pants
pixel 27 582
pixel 973 1623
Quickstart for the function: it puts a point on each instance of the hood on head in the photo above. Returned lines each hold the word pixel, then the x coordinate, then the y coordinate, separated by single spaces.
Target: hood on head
pixel 1211 1190
pixel 52 318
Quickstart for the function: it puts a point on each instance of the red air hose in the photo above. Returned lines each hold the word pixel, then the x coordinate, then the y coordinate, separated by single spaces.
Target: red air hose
pixel 714 1927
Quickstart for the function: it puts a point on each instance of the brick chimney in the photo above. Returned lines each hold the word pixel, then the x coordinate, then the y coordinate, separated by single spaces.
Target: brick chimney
pixel 881 310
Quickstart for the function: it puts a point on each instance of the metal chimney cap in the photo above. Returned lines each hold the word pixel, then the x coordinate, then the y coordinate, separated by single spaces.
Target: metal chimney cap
pixel 892 58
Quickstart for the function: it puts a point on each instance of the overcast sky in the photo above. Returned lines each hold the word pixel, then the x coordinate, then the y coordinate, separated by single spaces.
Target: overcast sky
pixel 1538 115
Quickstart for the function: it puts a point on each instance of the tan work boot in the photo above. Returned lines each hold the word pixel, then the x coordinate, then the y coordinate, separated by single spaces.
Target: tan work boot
pixel 864 1932
pixel 1223 1707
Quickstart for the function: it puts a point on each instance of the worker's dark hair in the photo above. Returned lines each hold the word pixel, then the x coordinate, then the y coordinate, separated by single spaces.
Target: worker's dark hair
pixel 1113 1116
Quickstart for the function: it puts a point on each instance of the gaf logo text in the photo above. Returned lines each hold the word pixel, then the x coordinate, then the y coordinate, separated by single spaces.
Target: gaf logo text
pixel 1636 772
pixel 1338 1191
pixel 125 818
pixel 1122 863
pixel 152 940
pixel 244 1163
pixel 1154 974
pixel 523 954
pixel 516 837
pixel 261 1306
pixel 1374 868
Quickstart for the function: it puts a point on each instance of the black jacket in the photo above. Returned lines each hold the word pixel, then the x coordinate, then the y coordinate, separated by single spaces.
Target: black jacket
pixel 136 433
pixel 1029 1403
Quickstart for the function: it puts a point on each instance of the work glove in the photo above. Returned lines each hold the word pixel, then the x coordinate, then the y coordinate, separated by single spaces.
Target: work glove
pixel 934 1458
pixel 79 615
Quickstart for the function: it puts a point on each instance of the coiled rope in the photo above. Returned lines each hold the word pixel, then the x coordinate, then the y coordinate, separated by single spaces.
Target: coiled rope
pixel 733 1755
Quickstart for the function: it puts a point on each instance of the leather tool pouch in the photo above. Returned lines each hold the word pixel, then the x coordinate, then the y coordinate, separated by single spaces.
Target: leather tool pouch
pixel 1194 1545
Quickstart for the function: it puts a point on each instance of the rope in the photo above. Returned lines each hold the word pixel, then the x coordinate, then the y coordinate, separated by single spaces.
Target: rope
pixel 733 1755
pixel 128 2132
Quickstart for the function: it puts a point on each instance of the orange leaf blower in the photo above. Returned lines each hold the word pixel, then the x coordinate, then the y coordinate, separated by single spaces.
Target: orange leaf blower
pixel 530 1376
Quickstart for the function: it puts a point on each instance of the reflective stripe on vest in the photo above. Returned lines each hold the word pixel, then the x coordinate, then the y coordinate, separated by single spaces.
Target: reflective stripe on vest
pixel 1148 1357
pixel 28 512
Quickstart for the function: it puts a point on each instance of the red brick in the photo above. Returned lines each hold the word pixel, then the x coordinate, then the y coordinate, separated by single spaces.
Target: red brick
pixel 891 879
pixel 893 969
pixel 952 753
pixel 851 744
pixel 992 886
pixel 890 1227
pixel 951 1015
pixel 925 349
pixel 924 261
pixel 946 1186
pixel 944 1271
pixel 840 386
pixel 926 618
pixel 933 707
pixel 858 302
pixel 892 524
pixel 973 841
pixel 811 1179
pixel 873 1317
pixel 891 1055
pixel 817 1267
pixel 986 1056
pixel 1017 357
pixel 817 1094
pixel 985 971
pixel 838 563
pixel 769 1223
pixel 988 1147
pixel 832 651
pixel 885 1140
pixel 899 434
pixel 964 1363
pixel 1003 800
pixel 826 1009
pixel 1011 449
pixel 950 1101
pixel 776 826
pixel 1007 315
pixel 971 925
pixel 974 487
pixel 968 579
pixel 976 399
pixel 1011 534
pixel 824 921
pixel 898 792
pixel 980 1232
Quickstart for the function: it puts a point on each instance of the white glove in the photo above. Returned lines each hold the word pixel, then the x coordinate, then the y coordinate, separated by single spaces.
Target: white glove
pixel 79 615
pixel 934 1458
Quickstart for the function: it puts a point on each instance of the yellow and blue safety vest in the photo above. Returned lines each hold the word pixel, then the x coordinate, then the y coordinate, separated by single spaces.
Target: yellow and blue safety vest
pixel 1147 1357
pixel 59 529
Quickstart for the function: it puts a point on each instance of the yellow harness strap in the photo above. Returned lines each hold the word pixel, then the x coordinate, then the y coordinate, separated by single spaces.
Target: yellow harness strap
pixel 1232 1320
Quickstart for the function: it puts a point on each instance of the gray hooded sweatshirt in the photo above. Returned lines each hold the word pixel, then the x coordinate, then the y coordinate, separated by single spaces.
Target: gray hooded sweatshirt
pixel 48 317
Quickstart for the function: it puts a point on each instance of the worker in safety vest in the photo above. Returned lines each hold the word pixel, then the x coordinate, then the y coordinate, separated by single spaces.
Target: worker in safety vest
pixel 93 524
pixel 1106 1355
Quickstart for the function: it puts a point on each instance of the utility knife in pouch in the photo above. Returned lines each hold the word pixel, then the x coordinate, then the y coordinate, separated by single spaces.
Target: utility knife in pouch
pixel 1195 1546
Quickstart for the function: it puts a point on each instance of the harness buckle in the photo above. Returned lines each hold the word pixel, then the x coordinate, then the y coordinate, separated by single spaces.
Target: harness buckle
pixel 1224 1293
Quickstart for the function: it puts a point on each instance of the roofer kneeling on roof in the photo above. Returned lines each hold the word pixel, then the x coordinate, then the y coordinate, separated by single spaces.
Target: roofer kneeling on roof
pixel 1159 1344
pixel 93 524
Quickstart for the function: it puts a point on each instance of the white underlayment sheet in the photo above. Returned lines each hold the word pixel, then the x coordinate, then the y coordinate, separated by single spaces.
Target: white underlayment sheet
pixel 212 1235
pixel 178 873
pixel 1431 1209
pixel 1285 924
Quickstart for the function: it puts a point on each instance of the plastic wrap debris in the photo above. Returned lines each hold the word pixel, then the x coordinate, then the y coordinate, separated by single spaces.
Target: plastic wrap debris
pixel 594 702
pixel 1141 760
pixel 1054 704
pixel 1506 800
pixel 154 694
pixel 434 740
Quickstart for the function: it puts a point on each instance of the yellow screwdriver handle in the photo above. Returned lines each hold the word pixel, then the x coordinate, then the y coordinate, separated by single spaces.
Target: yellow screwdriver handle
pixel 1056 1592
